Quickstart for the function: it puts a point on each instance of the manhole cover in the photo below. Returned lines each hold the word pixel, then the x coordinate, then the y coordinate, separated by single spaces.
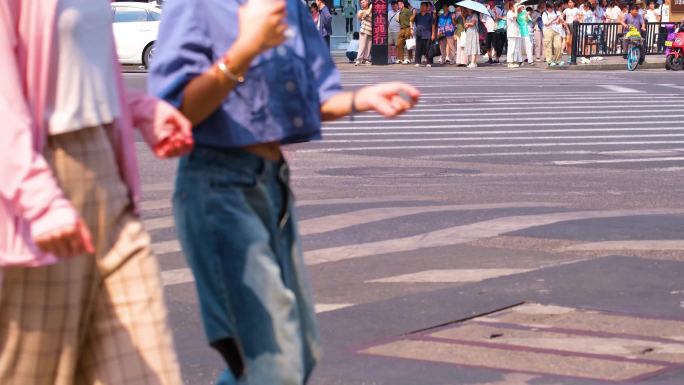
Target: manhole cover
pixel 398 172
pixel 550 340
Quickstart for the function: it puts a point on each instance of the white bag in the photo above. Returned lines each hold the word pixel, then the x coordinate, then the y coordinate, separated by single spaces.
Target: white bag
pixel 411 43
pixel 462 40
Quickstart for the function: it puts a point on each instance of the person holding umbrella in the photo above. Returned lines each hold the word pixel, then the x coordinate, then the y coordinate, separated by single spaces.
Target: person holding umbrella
pixel 472 42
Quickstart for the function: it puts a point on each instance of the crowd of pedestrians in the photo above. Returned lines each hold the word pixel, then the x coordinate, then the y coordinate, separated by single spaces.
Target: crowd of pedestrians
pixel 527 33
pixel 81 300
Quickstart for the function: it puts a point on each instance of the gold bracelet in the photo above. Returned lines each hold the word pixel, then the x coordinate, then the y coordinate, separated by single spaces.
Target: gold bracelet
pixel 226 71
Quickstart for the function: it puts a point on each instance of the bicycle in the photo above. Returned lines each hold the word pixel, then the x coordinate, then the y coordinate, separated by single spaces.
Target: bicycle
pixel 634 47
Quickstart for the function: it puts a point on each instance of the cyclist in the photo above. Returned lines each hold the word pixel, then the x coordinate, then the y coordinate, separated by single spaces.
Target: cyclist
pixel 634 20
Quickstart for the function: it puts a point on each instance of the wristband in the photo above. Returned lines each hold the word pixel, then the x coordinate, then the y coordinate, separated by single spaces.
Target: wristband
pixel 227 73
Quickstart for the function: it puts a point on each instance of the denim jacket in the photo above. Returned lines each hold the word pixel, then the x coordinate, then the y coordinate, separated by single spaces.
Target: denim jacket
pixel 283 89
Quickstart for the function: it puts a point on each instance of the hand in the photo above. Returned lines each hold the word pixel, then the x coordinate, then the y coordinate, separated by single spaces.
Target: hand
pixel 262 25
pixel 68 241
pixel 176 139
pixel 386 98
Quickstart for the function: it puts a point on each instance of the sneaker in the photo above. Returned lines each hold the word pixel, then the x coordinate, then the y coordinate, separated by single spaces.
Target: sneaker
pixel 429 65
pixel 490 61
pixel 417 65
pixel 552 64
pixel 407 62
pixel 561 63
pixel 356 63
pixel 472 65
pixel 496 61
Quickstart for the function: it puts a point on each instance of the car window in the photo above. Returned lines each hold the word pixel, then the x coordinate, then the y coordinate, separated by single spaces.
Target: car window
pixel 129 15
pixel 153 16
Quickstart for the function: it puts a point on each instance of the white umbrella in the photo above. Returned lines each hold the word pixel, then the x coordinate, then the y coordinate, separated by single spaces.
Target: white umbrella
pixel 474 5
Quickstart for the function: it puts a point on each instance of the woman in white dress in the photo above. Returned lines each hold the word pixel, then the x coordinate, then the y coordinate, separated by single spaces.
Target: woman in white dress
pixel 472 41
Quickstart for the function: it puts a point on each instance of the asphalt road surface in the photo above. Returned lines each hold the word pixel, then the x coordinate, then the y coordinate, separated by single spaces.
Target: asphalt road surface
pixel 518 227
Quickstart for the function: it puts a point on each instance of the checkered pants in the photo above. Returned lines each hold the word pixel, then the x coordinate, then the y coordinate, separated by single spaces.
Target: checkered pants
pixel 89 320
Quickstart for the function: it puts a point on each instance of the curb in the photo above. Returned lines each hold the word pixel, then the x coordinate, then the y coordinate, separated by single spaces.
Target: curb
pixel 604 67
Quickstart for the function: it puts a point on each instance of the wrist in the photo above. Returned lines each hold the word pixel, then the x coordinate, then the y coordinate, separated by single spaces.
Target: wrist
pixel 242 52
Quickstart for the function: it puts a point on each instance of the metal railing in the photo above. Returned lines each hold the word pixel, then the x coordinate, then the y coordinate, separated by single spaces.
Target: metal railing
pixel 606 39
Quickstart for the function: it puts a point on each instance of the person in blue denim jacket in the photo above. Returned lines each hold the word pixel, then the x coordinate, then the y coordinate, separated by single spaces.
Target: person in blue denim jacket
pixel 221 62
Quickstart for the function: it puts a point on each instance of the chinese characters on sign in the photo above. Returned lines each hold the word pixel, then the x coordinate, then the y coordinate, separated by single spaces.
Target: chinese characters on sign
pixel 380 22
pixel 380 30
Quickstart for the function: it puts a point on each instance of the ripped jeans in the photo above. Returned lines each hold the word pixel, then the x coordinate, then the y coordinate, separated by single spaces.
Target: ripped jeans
pixel 234 213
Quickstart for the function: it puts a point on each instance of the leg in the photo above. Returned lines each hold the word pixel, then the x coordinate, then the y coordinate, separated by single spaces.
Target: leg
pixel 548 45
pixel 41 313
pixel 401 44
pixel 451 49
pixel 129 342
pixel 529 49
pixel 419 51
pixel 247 265
pixel 443 50
pixel 557 48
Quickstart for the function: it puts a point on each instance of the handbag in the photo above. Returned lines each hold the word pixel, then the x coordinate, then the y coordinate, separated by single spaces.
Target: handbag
pixel 462 39
pixel 434 50
pixel 411 43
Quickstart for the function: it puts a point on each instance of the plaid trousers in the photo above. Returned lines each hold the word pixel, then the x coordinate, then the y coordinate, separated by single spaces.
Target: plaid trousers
pixel 89 319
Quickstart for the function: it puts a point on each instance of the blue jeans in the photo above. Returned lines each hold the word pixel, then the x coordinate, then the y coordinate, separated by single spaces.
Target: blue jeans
pixel 235 217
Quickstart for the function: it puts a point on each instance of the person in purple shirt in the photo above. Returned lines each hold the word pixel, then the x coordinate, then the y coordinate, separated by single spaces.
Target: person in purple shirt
pixel 325 25
pixel 248 92
pixel 634 19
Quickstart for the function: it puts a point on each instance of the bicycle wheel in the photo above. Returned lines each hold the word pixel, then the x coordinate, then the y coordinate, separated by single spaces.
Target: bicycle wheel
pixel 633 58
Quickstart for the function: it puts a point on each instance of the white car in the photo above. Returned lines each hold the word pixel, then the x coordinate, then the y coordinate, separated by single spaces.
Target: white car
pixel 135 30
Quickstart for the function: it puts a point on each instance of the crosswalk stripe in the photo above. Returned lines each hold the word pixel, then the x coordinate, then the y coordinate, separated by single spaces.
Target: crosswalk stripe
pixel 388 127
pixel 156 204
pixel 642 245
pixel 625 160
pixel 450 276
pixel 466 146
pixel 500 109
pixel 464 233
pixel 533 153
pixel 447 113
pixel 614 119
pixel 500 138
pixel 619 89
pixel 365 216
pixel 499 132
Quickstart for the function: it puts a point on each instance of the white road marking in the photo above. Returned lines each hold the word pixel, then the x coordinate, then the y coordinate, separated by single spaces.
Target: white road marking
pixel 157 204
pixel 388 127
pixel 157 187
pixel 464 146
pixel 499 138
pixel 674 102
pixel 533 153
pixel 463 234
pixel 625 160
pixel 498 132
pixel 450 276
pixel 365 216
pixel 619 89
pixel 642 245
pixel 613 118
pixel 445 114
pixel 326 307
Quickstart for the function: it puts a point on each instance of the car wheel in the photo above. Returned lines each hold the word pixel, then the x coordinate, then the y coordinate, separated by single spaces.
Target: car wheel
pixel 148 53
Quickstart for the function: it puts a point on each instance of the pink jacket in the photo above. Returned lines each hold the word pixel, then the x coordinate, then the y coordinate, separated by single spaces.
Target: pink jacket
pixel 31 202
